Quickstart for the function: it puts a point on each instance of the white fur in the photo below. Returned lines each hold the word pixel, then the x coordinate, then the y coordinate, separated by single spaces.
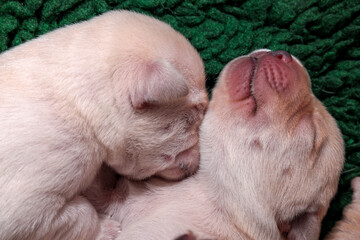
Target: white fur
pixel 262 175
pixel 122 89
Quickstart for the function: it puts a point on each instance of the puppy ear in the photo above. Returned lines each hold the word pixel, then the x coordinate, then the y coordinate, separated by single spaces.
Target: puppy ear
pixel 158 82
pixel 320 138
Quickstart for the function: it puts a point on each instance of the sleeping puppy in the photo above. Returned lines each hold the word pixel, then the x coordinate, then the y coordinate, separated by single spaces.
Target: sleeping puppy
pixel 271 157
pixel 122 89
pixel 349 227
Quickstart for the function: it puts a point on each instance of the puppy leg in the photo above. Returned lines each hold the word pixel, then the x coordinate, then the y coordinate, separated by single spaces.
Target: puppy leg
pixel 349 226
pixel 307 226
pixel 355 185
pixel 109 229
pixel 79 220
pixel 76 220
pixel 101 191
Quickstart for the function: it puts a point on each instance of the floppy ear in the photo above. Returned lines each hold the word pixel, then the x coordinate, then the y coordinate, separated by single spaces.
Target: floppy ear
pixel 158 82
pixel 320 138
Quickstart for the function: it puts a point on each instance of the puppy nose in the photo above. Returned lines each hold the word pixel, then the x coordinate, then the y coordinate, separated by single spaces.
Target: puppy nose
pixel 282 55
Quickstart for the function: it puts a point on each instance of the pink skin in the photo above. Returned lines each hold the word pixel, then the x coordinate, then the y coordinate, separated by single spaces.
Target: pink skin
pixel 268 88
pixel 260 65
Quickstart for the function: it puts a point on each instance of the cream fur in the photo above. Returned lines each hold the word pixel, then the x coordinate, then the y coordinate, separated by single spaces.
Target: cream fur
pixel 122 89
pixel 348 228
pixel 271 156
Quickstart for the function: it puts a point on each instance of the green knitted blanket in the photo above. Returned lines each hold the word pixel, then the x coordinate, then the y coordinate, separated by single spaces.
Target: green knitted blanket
pixel 323 34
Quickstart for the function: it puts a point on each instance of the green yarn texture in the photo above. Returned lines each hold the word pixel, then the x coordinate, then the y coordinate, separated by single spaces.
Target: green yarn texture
pixel 323 34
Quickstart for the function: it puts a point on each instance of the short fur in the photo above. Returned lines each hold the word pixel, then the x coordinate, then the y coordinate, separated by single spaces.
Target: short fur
pixel 271 156
pixel 122 89
pixel 348 228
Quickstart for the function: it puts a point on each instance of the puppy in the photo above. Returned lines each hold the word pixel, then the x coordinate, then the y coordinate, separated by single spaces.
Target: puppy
pixel 122 89
pixel 349 227
pixel 271 156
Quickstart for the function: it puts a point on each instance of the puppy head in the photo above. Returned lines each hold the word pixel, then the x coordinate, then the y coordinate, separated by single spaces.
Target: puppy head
pixel 272 127
pixel 162 136
pixel 163 98
pixel 266 87
pixel 270 91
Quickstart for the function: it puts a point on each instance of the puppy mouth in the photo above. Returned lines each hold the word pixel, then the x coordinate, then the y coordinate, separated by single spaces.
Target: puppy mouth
pixel 259 78
pixel 186 164
pixel 175 173
pixel 241 76
pixel 252 77
pixel 251 95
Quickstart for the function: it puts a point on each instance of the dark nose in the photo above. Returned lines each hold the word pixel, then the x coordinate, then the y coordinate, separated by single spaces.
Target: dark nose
pixel 282 55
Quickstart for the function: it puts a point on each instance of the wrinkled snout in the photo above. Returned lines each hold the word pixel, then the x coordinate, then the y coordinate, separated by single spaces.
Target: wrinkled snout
pixel 274 69
pixel 263 77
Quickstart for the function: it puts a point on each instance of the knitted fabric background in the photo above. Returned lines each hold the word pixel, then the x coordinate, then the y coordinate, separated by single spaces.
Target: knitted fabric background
pixel 323 34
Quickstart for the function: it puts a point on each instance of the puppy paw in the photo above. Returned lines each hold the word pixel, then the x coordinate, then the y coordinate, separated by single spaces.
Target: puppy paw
pixel 188 236
pixel 109 229
pixel 355 185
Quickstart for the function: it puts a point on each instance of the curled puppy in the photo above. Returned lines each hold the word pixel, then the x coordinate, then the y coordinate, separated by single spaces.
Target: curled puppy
pixel 122 89
pixel 271 156
pixel 349 227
